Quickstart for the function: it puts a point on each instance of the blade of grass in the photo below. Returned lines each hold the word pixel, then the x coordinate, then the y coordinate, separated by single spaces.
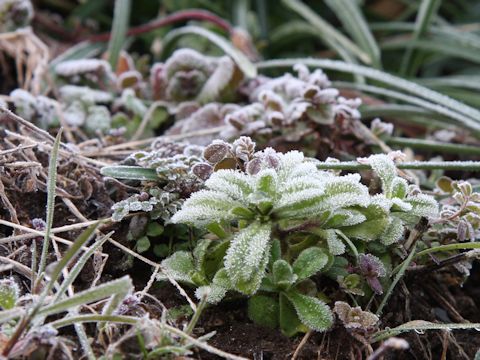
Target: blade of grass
pixel 83 50
pixel 354 22
pixel 240 59
pixel 460 119
pixel 121 18
pixel 426 12
pixel 119 319
pixel 117 287
pixel 79 265
pixel 383 77
pixel 449 247
pixel 436 45
pixel 51 187
pixel 130 173
pixel 27 318
pixel 421 326
pixel 436 146
pixel 332 37
pixel 407 113
pixel 459 81
pixel 414 165
pixel 395 281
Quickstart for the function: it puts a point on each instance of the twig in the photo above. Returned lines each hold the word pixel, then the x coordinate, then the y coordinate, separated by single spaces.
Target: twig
pixel 301 344
pixel 154 264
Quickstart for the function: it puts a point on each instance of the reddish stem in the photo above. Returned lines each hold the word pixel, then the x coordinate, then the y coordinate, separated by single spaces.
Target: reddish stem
pixel 185 15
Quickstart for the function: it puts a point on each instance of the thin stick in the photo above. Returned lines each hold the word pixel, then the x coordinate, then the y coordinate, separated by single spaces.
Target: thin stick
pixel 301 344
pixel 154 264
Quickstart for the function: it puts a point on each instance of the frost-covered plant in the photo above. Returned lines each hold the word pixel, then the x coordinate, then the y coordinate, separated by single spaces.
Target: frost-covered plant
pixel 190 76
pixel 274 193
pixel 398 205
pixel 159 204
pixel 280 221
pixel 15 14
pixel 354 317
pixel 460 212
pixel 40 110
pixel 9 293
pixel 289 106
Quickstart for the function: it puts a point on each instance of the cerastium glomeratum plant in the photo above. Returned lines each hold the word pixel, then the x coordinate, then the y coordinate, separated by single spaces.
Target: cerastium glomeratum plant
pixel 277 221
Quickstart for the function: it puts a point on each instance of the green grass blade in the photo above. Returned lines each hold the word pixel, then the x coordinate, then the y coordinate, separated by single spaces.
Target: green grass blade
pixel 130 173
pixel 413 165
pixel 354 22
pixel 398 276
pixel 459 81
pixel 80 319
pixel 426 12
pixel 435 146
pixel 100 292
pixel 449 247
pixel 407 113
pixel 72 251
pixel 383 77
pixel 422 326
pixel 83 50
pixel 461 120
pixel 240 59
pixel 121 17
pixel 79 265
pixel 331 36
pixel 51 187
pixel 437 45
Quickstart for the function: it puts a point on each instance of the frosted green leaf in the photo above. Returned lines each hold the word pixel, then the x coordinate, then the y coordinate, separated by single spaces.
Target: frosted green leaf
pixel 335 245
pixel 230 182
pixel 400 205
pixel 385 169
pixel 205 207
pixel 178 266
pixel 393 233
pixel 214 293
pixel 423 205
pixel 399 188
pixel 263 310
pixel 283 274
pixel 266 181
pixel 344 217
pixel 311 311
pixel 247 257
pixel 376 223
pixel 309 262
pixel 9 292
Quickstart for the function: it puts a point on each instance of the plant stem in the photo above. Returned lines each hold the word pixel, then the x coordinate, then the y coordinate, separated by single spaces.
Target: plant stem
pixel 397 278
pixel 193 322
pixel 186 15
pixel 413 165
pixel 449 247
pixel 51 187
pixel 431 145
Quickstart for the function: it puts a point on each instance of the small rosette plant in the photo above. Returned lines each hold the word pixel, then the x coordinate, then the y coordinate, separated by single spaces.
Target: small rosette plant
pixel 279 221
